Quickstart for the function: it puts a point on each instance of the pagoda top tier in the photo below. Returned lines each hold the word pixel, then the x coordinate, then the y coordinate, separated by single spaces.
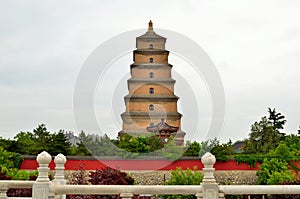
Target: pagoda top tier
pixel 150 40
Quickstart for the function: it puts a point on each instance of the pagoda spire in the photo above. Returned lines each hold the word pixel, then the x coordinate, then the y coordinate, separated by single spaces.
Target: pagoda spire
pixel 150 25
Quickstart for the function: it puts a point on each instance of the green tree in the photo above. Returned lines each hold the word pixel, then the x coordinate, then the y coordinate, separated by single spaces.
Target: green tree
pixel 26 144
pixel 192 149
pixel 7 144
pixel 263 137
pixel 205 147
pixel 60 144
pixel 171 151
pixel 42 137
pixel 277 119
pixel 222 152
pixel 139 144
pixel 292 141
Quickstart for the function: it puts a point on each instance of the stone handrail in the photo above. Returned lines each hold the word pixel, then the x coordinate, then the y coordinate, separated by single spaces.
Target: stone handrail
pixel 43 188
pixel 260 189
pixel 134 189
pixel 7 184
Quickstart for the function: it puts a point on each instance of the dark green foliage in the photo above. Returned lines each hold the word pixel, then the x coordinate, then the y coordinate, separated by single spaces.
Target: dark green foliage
pixel 28 143
pixel 10 159
pixel 171 151
pixel 139 144
pixel 263 137
pixel 14 174
pixel 134 144
pixel 181 177
pixel 277 119
pixel 60 144
pixel 80 150
pixel 251 160
pixel 222 152
pixel 185 177
pixel 7 144
pixel 293 143
pixel 192 149
pixel 3 174
pixel 273 172
pixel 287 151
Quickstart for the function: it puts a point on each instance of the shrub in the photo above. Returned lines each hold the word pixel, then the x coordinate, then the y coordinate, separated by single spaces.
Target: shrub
pixel 273 172
pixel 80 177
pixel 107 176
pixel 180 177
pixel 10 159
pixel 9 174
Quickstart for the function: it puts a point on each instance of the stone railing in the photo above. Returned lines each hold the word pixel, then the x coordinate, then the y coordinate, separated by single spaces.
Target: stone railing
pixel 43 188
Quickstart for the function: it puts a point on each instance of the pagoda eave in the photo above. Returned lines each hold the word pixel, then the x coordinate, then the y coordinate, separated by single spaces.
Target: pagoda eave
pixel 147 80
pixel 147 65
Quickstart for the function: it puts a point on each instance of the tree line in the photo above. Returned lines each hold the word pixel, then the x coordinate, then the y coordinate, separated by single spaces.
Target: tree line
pixel 265 136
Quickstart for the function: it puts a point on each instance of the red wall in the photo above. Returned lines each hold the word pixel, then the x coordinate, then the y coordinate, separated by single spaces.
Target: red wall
pixel 139 165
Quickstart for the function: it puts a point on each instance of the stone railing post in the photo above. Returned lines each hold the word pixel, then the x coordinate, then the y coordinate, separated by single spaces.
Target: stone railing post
pixel 210 188
pixel 59 176
pixel 40 189
pixel 3 190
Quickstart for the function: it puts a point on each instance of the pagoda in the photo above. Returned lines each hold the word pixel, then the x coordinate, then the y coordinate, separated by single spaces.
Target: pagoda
pixel 151 105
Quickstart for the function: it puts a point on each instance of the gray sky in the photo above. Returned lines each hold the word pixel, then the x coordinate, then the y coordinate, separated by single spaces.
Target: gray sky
pixel 254 44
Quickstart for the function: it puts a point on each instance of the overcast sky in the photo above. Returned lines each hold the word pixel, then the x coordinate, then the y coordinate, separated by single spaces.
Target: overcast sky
pixel 254 44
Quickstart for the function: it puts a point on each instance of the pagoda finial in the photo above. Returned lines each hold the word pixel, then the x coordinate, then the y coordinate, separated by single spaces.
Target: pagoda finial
pixel 150 25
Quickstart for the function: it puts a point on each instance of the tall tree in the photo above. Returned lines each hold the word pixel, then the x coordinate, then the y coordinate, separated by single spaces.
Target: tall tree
pixel 60 144
pixel 277 119
pixel 26 144
pixel 192 148
pixel 263 137
pixel 43 138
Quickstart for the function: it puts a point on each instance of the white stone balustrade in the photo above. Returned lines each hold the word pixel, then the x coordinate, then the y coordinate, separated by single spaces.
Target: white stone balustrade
pixel 43 188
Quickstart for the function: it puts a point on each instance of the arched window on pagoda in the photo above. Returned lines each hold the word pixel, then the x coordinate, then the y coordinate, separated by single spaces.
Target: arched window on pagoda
pixel 151 60
pixel 151 107
pixel 151 74
pixel 151 46
pixel 151 90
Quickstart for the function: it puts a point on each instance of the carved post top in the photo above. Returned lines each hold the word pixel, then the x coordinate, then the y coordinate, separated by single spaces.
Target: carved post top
pixel 60 159
pixel 208 160
pixel 43 158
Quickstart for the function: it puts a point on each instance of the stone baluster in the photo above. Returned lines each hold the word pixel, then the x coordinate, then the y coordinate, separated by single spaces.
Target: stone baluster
pixel 3 190
pixel 42 184
pixel 59 177
pixel 126 195
pixel 210 188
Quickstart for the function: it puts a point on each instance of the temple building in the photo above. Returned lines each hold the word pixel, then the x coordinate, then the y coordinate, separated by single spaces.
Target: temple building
pixel 151 105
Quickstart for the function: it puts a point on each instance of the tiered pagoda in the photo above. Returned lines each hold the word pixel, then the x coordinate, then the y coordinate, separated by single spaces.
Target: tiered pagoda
pixel 151 106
